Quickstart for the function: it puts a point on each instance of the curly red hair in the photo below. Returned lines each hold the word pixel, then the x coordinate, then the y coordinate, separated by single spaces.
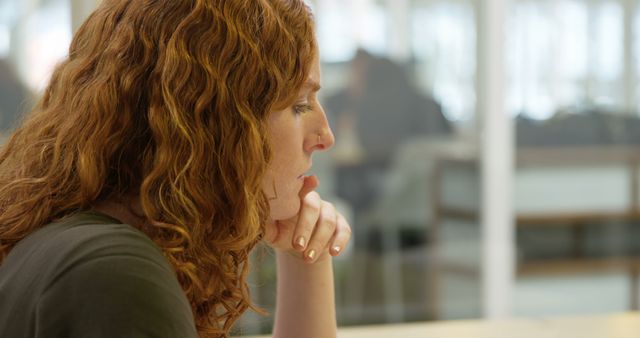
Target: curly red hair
pixel 166 101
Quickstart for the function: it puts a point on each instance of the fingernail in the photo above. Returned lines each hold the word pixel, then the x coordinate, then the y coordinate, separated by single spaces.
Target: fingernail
pixel 336 249
pixel 301 242
pixel 311 254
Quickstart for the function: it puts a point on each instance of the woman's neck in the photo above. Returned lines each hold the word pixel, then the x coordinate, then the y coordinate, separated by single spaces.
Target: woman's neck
pixel 127 211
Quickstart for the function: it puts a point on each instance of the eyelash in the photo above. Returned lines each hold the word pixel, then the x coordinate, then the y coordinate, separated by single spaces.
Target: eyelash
pixel 302 108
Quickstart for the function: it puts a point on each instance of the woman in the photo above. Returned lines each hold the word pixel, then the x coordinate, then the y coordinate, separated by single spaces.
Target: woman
pixel 172 140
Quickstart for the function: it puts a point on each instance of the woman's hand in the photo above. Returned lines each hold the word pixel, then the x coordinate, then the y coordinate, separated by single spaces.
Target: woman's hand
pixel 316 230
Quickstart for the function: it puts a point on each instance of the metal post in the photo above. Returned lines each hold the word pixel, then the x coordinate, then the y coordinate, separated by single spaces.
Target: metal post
pixel 496 137
pixel 399 32
pixel 629 73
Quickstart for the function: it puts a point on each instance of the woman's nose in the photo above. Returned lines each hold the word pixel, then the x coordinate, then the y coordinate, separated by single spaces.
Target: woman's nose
pixel 323 138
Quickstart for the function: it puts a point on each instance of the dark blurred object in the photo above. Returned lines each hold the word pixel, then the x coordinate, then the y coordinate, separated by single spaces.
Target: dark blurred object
pixel 378 111
pixel 585 127
pixel 14 97
pixel 383 107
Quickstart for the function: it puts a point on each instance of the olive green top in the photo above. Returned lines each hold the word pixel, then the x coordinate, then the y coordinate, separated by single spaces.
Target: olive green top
pixel 88 275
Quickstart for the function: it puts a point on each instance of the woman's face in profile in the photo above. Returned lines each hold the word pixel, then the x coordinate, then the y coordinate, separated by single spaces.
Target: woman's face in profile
pixel 296 132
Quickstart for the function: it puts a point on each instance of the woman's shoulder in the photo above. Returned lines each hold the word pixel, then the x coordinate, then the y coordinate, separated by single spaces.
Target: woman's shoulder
pixel 89 266
pixel 84 236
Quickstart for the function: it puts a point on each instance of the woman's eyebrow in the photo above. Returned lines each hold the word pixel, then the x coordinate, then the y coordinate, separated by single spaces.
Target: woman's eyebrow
pixel 313 85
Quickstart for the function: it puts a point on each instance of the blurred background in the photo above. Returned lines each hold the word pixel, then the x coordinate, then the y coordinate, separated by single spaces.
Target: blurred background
pixel 461 207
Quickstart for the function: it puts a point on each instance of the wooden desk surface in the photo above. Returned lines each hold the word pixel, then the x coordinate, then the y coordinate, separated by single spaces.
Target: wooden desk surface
pixel 626 325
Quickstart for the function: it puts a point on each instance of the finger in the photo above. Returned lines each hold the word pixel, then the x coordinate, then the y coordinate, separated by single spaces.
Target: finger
pixel 307 219
pixel 341 237
pixel 310 183
pixel 324 230
pixel 282 233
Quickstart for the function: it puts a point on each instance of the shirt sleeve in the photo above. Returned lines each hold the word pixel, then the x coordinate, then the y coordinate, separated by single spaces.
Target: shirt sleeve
pixel 115 296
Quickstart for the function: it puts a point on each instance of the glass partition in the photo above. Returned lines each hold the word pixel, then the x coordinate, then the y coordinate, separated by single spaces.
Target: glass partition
pixel 401 115
pixel 573 73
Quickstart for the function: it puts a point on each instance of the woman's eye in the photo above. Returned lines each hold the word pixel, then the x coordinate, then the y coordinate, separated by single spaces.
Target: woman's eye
pixel 302 108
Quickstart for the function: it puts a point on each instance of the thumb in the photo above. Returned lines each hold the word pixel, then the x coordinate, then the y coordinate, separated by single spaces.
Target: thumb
pixel 310 184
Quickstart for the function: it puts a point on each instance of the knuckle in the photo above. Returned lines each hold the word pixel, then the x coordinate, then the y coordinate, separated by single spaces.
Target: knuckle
pixel 330 224
pixel 313 194
pixel 311 204
pixel 329 215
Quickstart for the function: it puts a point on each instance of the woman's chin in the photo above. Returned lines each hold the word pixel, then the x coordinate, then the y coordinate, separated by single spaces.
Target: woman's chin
pixel 281 210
